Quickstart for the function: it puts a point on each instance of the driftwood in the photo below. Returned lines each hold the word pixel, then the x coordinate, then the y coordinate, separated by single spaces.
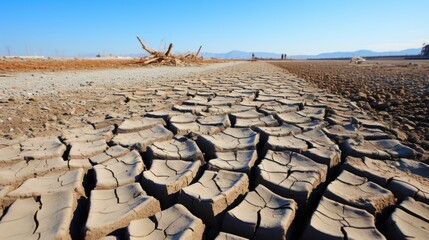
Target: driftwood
pixel 146 48
pixel 169 49
pixel 198 52
pixel 168 58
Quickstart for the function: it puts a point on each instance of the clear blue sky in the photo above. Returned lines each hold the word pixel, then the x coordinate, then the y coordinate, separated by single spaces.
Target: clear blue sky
pixel 77 27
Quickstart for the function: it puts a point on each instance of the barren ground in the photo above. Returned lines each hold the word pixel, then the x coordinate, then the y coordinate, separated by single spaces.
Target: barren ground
pixel 15 65
pixel 396 90
pixel 42 102
pixel 222 151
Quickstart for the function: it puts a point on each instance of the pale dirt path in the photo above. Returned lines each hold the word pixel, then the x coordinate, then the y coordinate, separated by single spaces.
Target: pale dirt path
pixel 50 83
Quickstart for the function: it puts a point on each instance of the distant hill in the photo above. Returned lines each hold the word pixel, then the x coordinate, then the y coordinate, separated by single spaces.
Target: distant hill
pixel 362 53
pixel 240 55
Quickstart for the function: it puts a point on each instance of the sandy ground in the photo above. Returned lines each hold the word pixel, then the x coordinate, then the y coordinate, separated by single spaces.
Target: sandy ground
pixel 31 102
pixel 396 90
pixel 30 84
pixel 12 65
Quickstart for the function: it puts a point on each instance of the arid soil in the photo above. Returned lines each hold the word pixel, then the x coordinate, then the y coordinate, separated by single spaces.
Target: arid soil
pixel 14 65
pixel 396 90
pixel 240 150
pixel 39 103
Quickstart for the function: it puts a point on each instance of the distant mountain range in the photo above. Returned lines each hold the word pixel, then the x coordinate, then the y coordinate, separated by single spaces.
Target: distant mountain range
pixel 362 53
pixel 248 55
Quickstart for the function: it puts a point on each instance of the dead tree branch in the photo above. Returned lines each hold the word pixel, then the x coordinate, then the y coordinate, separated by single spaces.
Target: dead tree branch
pixel 169 49
pixel 198 52
pixel 146 48
pixel 168 58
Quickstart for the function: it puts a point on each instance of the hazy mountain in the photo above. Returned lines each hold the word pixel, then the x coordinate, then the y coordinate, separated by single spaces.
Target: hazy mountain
pixel 362 53
pixel 240 55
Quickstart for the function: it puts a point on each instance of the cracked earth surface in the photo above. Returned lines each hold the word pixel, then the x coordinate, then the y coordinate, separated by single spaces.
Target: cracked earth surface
pixel 241 151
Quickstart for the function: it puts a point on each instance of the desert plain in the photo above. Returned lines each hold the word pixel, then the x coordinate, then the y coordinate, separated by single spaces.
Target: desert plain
pixel 225 150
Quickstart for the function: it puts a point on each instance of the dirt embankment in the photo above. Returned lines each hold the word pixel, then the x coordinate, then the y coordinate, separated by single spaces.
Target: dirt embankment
pixel 398 91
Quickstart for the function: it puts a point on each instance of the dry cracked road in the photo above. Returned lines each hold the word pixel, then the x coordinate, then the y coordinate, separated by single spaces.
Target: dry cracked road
pixel 247 151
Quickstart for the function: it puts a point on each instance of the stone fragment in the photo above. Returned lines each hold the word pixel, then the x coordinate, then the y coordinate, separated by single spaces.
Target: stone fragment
pixel 58 182
pixel 229 109
pixel 313 112
pixel 261 215
pixel 140 140
pixel 112 152
pixel 87 134
pixel 313 125
pixel 137 125
pixel 341 133
pixel 223 101
pixel 48 217
pixel 194 129
pixel 85 150
pixel 194 109
pixel 404 177
pixel 313 144
pixel 266 121
pixel 369 123
pixel 231 139
pixel 175 222
pixel 191 125
pixel 239 161
pixel 216 120
pixel 280 131
pixel 164 114
pixel 32 149
pixel 259 104
pixel 118 171
pixel 115 208
pixel 409 221
pixel 213 193
pixel 411 185
pixel 378 149
pixel 103 122
pixel 250 114
pixel 294 102
pixel 278 109
pixel 358 192
pixel 166 178
pixel 293 118
pixel 321 148
pixel 178 148
pixel 333 220
pixel 17 173
pixel 183 118
pixel 200 102
pixel 292 175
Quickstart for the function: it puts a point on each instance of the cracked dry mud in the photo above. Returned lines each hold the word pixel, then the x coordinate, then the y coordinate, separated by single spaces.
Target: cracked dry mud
pixel 242 151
